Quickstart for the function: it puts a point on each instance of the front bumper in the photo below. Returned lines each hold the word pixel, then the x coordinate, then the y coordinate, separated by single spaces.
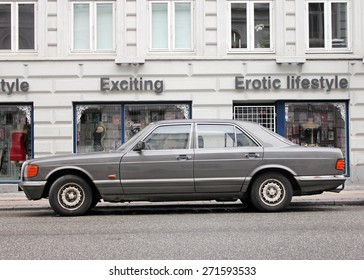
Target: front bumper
pixel 33 189
pixel 317 184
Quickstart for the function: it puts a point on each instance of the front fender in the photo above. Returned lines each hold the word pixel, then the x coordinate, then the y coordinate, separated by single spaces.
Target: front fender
pixel 66 169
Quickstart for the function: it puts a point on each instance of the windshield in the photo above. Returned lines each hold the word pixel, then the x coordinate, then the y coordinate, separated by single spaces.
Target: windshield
pixel 132 139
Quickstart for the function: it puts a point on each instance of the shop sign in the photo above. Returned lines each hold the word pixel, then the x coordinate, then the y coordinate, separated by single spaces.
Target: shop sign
pixel 132 84
pixel 9 87
pixel 291 82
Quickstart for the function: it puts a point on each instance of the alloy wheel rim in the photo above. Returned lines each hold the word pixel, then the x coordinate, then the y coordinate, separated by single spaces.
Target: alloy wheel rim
pixel 71 196
pixel 272 192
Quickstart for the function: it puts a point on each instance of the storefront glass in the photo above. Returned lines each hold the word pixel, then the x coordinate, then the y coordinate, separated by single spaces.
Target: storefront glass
pixel 103 127
pixel 15 139
pixel 317 124
pixel 138 116
pixel 98 127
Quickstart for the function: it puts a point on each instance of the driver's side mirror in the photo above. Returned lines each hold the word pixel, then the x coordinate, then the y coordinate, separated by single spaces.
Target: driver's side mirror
pixel 139 146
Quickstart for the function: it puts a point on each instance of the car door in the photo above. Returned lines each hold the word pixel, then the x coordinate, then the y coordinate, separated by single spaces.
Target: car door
pixel 164 167
pixel 224 156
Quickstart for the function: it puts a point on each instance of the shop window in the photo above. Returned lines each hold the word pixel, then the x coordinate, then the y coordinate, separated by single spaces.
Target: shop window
pixel 264 115
pixel 93 26
pixel 99 126
pixel 250 26
pixel 317 124
pixel 139 116
pixel 15 139
pixel 17 26
pixel 171 26
pixel 328 25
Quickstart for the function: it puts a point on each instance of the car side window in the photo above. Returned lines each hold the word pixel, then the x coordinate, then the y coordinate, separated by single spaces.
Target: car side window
pixel 169 137
pixel 242 140
pixel 221 136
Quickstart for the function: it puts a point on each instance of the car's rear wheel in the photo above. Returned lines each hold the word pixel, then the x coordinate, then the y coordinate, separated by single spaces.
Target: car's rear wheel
pixel 271 192
pixel 70 196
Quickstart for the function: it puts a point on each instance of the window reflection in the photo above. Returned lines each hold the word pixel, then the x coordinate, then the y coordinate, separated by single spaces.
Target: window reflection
pixel 328 25
pixel 250 25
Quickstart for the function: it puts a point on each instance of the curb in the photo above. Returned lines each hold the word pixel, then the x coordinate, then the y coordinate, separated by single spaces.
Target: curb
pixel 180 206
pixel 13 201
pixel 329 203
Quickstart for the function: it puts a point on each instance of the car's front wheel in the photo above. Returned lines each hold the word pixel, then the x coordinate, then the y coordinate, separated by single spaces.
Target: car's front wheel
pixel 271 192
pixel 70 196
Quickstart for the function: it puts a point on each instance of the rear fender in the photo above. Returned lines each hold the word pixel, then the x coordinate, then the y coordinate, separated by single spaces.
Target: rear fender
pixel 288 172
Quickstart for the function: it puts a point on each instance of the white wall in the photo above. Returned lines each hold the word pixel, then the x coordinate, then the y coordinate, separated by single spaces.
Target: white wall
pixel 57 77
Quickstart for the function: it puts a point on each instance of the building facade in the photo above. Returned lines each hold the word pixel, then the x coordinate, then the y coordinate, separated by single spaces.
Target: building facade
pixel 80 76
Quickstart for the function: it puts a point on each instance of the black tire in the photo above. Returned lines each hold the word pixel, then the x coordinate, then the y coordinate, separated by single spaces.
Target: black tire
pixel 271 192
pixel 95 200
pixel 70 195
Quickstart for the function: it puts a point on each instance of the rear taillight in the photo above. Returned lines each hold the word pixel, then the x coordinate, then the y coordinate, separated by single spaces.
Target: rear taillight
pixel 340 164
pixel 31 170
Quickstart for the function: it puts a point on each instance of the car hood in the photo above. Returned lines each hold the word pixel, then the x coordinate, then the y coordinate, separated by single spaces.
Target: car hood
pixel 70 159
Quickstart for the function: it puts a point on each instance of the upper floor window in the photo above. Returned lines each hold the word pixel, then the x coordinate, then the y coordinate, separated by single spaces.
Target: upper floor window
pixel 17 26
pixel 171 26
pixel 328 25
pixel 250 26
pixel 93 26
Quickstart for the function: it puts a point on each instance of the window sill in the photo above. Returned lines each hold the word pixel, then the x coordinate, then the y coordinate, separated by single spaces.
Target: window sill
pixel 242 51
pixel 346 51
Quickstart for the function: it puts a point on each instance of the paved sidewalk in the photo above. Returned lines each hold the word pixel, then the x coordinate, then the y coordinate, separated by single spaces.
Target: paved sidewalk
pixel 353 196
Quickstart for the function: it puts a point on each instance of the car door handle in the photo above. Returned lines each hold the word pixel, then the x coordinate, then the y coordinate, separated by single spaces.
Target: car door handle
pixel 184 157
pixel 252 155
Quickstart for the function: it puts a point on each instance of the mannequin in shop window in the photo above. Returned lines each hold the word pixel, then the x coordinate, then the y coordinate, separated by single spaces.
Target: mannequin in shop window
pixel 18 150
pixel 310 127
pixel 99 136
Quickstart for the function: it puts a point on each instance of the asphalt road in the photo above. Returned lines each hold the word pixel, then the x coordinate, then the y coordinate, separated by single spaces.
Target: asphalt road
pixel 178 232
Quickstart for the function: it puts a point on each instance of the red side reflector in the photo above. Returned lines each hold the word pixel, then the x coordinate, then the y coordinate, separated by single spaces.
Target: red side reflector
pixel 340 164
pixel 32 171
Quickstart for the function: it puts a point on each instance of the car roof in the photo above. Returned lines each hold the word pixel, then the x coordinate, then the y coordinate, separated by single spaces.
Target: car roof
pixel 201 120
pixel 261 134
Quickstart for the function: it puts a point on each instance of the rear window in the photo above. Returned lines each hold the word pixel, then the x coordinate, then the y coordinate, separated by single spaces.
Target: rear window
pixel 267 137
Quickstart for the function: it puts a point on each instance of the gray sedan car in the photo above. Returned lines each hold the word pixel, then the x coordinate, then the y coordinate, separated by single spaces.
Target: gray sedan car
pixel 222 160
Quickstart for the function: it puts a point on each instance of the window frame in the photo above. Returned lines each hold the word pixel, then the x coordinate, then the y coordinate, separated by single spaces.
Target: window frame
pixel 171 35
pixel 93 27
pixel 251 28
pixel 328 27
pixel 14 28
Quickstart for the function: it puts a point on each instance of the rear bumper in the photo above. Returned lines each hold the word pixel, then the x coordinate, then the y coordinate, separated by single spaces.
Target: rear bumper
pixel 317 184
pixel 33 189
